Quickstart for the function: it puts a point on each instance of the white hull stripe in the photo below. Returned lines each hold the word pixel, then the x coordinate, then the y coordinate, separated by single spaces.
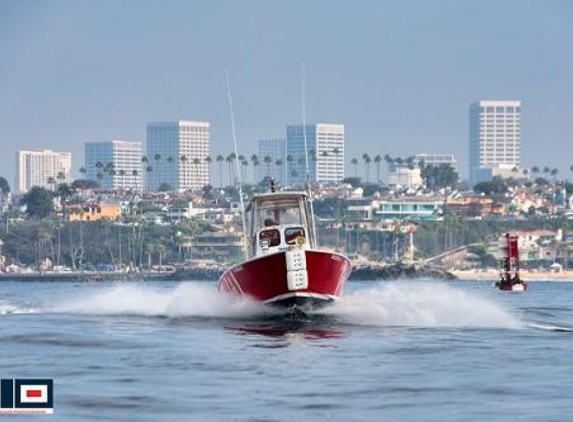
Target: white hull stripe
pixel 299 294
pixel 235 282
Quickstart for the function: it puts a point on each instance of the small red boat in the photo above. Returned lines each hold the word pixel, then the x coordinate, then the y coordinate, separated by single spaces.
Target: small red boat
pixel 509 279
pixel 283 266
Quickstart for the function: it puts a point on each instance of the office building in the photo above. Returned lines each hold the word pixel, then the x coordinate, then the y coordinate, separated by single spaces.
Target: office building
pixel 325 147
pixel 494 138
pixel 114 164
pixel 436 160
pixel 44 168
pixel 177 155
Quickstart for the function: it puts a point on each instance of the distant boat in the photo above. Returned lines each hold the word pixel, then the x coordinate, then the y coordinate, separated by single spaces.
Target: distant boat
pixel 283 267
pixel 509 279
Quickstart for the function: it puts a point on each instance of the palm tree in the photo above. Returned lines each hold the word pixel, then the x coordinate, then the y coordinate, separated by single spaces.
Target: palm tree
pixel 61 176
pixel 546 170
pixel 209 160
pixel 279 164
pixel 135 173
pixel 289 159
pixel 410 162
pixel 354 162
pixel 183 160
pixel 148 169
pixel 255 159
pixel 389 161
pixel 377 160
pixel 535 170
pixel 367 161
pixel 554 173
pixel 122 176
pixel 256 164
pixel 244 165
pixel 83 172
pixel 230 160
pixel 52 182
pixel 268 161
pixel 196 163
pixel 220 160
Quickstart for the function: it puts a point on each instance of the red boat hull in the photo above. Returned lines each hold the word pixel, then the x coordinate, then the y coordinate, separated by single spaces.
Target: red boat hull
pixel 512 287
pixel 265 279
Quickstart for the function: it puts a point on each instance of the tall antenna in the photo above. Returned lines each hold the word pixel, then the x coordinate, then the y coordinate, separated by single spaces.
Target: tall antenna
pixel 237 166
pixel 308 186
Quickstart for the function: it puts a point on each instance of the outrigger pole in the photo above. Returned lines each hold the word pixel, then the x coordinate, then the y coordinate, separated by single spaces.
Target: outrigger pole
pixel 308 186
pixel 237 167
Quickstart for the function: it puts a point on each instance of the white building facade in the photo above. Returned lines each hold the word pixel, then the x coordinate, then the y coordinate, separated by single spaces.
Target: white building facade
pixel 177 154
pixel 114 164
pixel 38 168
pixel 436 160
pixel 325 147
pixel 275 150
pixel 405 177
pixel 494 137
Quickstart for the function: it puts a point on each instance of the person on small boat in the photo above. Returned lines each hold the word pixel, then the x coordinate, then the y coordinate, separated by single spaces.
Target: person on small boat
pixel 269 222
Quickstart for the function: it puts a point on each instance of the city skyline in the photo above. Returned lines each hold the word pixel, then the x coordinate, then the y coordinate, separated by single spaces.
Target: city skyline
pixel 395 92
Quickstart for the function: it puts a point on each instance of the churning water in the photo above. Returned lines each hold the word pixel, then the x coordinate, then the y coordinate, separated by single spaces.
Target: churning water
pixel 386 351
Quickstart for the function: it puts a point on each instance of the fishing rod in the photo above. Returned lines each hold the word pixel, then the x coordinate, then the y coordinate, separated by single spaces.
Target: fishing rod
pixel 308 180
pixel 237 167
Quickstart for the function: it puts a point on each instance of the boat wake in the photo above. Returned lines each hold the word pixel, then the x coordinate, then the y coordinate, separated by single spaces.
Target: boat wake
pixel 402 304
pixel 186 300
pixel 422 304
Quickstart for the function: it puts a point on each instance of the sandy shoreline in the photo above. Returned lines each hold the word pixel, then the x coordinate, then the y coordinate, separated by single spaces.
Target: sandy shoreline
pixel 525 275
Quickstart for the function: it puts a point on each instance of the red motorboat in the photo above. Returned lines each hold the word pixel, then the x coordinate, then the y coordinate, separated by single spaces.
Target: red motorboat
pixel 509 279
pixel 283 266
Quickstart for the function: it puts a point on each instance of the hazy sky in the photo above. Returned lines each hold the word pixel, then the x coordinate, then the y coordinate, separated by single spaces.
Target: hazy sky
pixel 398 74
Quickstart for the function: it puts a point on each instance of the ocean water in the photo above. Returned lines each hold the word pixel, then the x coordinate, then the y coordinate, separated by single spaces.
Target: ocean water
pixel 425 350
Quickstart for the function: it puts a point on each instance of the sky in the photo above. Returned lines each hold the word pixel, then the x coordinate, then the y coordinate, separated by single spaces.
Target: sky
pixel 399 74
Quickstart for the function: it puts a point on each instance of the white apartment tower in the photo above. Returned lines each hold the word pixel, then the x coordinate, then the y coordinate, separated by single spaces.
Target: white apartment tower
pixel 494 138
pixel 325 145
pixel 276 167
pixel 177 155
pixel 42 168
pixel 114 164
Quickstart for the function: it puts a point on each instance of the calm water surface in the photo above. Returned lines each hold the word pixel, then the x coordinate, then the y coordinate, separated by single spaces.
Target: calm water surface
pixel 389 351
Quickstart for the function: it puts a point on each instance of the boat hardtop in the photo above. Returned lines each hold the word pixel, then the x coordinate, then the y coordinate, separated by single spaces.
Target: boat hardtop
pixel 278 221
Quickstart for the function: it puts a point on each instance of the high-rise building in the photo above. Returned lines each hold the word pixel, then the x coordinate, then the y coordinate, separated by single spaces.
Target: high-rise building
pixel 42 168
pixel 271 153
pixel 435 160
pixel 177 155
pixel 325 145
pixel 115 164
pixel 494 138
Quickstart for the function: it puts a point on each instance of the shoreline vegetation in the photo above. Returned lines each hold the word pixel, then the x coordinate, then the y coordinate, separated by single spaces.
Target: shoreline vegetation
pixel 213 273
pixel 370 272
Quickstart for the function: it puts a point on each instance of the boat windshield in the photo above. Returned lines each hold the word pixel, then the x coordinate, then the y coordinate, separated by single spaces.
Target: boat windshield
pixel 275 213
